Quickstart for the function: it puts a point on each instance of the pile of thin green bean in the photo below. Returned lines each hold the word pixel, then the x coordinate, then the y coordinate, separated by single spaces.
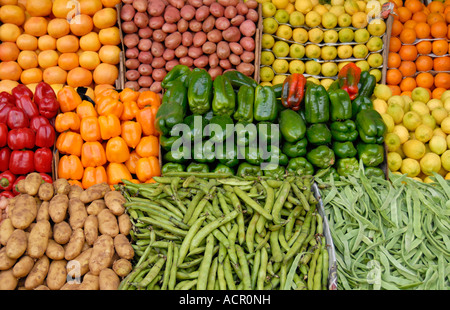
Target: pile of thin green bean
pixel 210 231
pixel 389 234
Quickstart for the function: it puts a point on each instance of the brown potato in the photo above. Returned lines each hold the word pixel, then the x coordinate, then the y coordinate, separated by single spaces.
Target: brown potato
pixel 62 232
pixel 74 246
pixel 90 283
pixel 108 280
pixel 70 286
pixel 57 274
pixel 114 200
pixel 61 186
pixel 54 250
pixel 24 211
pixel 91 229
pixel 38 273
pixel 77 213
pixel 38 239
pixel 32 183
pixel 123 247
pixel 58 207
pixel 17 244
pixel 124 224
pixel 8 281
pixel 21 186
pixel 46 191
pixel 6 230
pixel 96 191
pixel 6 262
pixel 102 253
pixel 23 266
pixel 107 223
pixel 75 191
pixel 42 288
pixel 79 266
pixel 42 213
pixel 122 267
pixel 95 207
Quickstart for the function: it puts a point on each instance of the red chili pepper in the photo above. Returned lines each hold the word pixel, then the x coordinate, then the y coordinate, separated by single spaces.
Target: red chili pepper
pixel 38 121
pixel 3 134
pixel 21 162
pixel 7 194
pixel 4 111
pixel 14 189
pixel 348 79
pixel 21 138
pixel 293 91
pixel 5 154
pixel 21 90
pixel 27 105
pixel 6 97
pixel 7 180
pixel 45 136
pixel 43 160
pixel 17 118
pixel 46 177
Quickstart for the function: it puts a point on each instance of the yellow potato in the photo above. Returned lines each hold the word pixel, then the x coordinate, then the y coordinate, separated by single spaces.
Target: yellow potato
pixel 108 280
pixel 32 183
pixel 75 245
pixel 8 281
pixel 122 267
pixel 75 191
pixel 42 213
pixel 54 250
pixel 38 239
pixel 91 229
pixel 57 274
pixel 62 232
pixel 6 262
pixel 61 186
pixel 77 213
pixel 96 206
pixel 24 211
pixel 114 200
pixel 46 191
pixel 90 282
pixel 6 230
pixel 58 207
pixel 38 273
pixel 96 191
pixel 124 224
pixel 79 266
pixel 42 288
pixel 73 285
pixel 102 254
pixel 23 266
pixel 17 244
pixel 107 223
pixel 123 247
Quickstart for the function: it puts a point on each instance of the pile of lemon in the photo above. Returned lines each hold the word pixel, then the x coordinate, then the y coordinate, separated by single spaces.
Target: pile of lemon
pixel 418 135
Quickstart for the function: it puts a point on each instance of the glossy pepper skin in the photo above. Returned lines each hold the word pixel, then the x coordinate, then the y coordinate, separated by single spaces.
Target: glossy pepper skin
pixel 109 126
pixel 340 105
pixel 86 109
pixel 178 73
pixel 275 172
pixel 93 175
pixel 224 97
pixel 15 189
pixel 93 154
pixel 197 125
pixel 238 79
pixel 361 103
pixel 67 121
pixel 173 108
pixel 221 168
pixel 376 172
pixel 146 98
pixel 117 150
pixel 246 169
pixel 293 91
pixel 265 106
pixel 26 104
pixel 200 91
pixel 344 149
pixel 344 131
pixel 70 168
pixel 220 128
pixel 203 152
pixel 7 179
pixel 172 167
pixel 68 99
pixel 3 134
pixel 38 121
pixel 227 156
pixel 245 100
pixel 146 118
pixel 4 111
pixel 21 138
pixel 317 104
pixel 275 155
pixel 43 90
pixel 17 118
pixel 300 166
pixel 371 126
pixel 21 90
pixel 348 78
pixel 43 160
pixel 321 156
pixel 347 166
pixel 45 136
pixel 69 143
pixel 197 167
pixel 148 146
pixel 366 84
pixel 21 162
pixel 5 154
pixel 6 98
pixel 296 149
pixel 246 133
pixel 371 154
pixel 292 126
pixel 147 168
pixel 318 134
pixel 131 132
pixel 167 142
pixel 90 129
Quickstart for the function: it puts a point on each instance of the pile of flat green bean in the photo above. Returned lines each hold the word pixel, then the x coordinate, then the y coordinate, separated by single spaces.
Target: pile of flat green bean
pixel 389 234
pixel 210 231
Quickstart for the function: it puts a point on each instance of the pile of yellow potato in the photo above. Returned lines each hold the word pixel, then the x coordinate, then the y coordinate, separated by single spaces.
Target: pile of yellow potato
pixel 61 237
pixel 418 136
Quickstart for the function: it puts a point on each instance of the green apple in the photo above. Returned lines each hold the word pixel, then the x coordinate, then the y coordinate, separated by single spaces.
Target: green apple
pixel 270 25
pixel 344 51
pixel 296 66
pixel 330 36
pixel 267 58
pixel 346 35
pixel 268 9
pixel 375 44
pixel 375 60
pixel 344 20
pixel 313 19
pixel 267 41
pixel 376 27
pixel 329 69
pixel 296 19
pixel 360 51
pixel 280 49
pixel 282 16
pixel 315 35
pixel 280 66
pixel 377 74
pixel 329 20
pixel 312 67
pixel 266 74
pixel 363 65
pixel 284 31
pixel 313 51
pixel 362 35
pixel 296 51
pixel 300 35
pixel 328 52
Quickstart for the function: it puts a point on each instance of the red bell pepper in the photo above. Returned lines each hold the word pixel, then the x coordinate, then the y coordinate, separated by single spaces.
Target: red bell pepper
pixel 4 111
pixel 21 138
pixel 46 100
pixel 5 154
pixel 3 134
pixel 27 105
pixel 21 90
pixel 14 189
pixel 43 160
pixel 6 97
pixel 43 90
pixel 17 118
pixel 7 180
pixel 348 79
pixel 46 178
pixel 45 136
pixel 7 194
pixel 293 91
pixel 21 162
pixel 38 121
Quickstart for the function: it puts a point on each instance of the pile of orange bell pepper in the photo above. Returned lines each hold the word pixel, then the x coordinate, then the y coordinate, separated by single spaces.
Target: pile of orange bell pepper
pixel 112 139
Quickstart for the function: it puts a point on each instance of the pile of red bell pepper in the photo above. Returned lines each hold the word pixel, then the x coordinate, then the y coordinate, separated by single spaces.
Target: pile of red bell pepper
pixel 27 134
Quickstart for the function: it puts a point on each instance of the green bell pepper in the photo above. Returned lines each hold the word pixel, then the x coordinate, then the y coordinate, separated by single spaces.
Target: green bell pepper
pixel 179 156
pixel 197 167
pixel 292 127
pixel 371 154
pixel 172 167
pixel 275 155
pixel 246 169
pixel 344 149
pixel 173 108
pixel 251 154
pixel 228 156
pixel 300 166
pixel 344 131
pixel 224 97
pixel 200 91
pixel 275 172
pixel 221 168
pixel 178 73
pixel 295 149
pixel 265 105
pixel 220 128
pixel 366 84
pixel 370 126
pixel 238 79
pixel 361 103
pixel 374 172
pixel 166 142
pixel 245 101
pixel 269 132
pixel 321 156
pixel 317 104
pixel 347 166
pixel 278 89
pixel 246 133
pixel 318 134
pixel 340 105
pixel 197 125
pixel 204 152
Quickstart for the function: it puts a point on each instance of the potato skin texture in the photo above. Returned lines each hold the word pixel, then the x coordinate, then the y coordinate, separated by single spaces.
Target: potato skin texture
pixel 6 229
pixel 107 223
pixel 6 262
pixel 32 183
pixel 46 192
pixel 79 266
pixel 62 232
pixel 122 267
pixel 23 267
pixel 38 239
pixel 24 211
pixel 75 244
pixel 17 244
pixel 91 229
pixel 55 251
pixel 38 273
pixel 57 274
pixel 8 281
pixel 77 213
pixel 58 208
pixel 103 251
pixel 96 191
pixel 108 280
pixel 123 247
pixel 114 201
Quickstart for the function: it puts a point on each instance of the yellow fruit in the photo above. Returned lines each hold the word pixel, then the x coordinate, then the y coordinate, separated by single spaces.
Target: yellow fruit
pixel 382 91
pixel 396 111
pixel 402 133
pixel 445 125
pixel 438 132
pixel 414 149
pixel 380 105
pixel 280 4
pixel 439 113
pixel 410 167
pixel 420 107
pixel 351 7
pixel 445 160
pixel 396 99
pixel 447 138
pixel 389 121
pixel 434 103
pixel 447 176
pixel 411 120
pixel 392 142
pixel 394 161
pixel 438 144
pixel 428 180
pixel 303 6
pixel 430 163
pixel 423 133
pixel 428 119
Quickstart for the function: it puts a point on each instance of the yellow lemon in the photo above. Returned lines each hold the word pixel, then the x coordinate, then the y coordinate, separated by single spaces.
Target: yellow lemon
pixel 400 152
pixel 438 144
pixel 417 179
pixel 420 107
pixel 389 121
pixel 430 163
pixel 448 141
pixel 392 141
pixel 303 6
pixel 445 95
pixel 380 105
pixel 411 120
pixel 423 133
pixel 447 104
pixel 445 125
pixel 428 180
pixel 438 132
pixel 402 133
pixel 396 111
pixel 434 103
pixel 414 149
pixel 428 119
pixel 280 4
pixel 382 91
pixel 394 161
pixel 410 167
pixel 445 160
pixel 439 114
pixel 397 99
pixel 447 176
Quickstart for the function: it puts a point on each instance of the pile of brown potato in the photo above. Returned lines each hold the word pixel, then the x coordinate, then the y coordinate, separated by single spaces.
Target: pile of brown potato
pixel 61 237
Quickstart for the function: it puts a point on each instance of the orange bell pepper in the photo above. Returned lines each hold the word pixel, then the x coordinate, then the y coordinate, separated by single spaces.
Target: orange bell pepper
pixel 130 109
pixel 147 168
pixel 85 109
pixel 67 121
pixel 68 99
pixel 94 175
pixel 70 167
pixel 90 129
pixel 131 162
pixel 75 182
pixel 70 143
pixel 109 105
pixel 93 154
pixel 148 146
pixel 117 150
pixel 131 132
pixel 98 89
pixel 148 98
pixel 146 117
pixel 110 92
pixel 116 172
pixel 109 126
pixel 128 94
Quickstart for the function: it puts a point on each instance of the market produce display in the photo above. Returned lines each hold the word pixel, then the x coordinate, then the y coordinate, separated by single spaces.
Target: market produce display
pixel 317 38
pixel 159 34
pixel 61 237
